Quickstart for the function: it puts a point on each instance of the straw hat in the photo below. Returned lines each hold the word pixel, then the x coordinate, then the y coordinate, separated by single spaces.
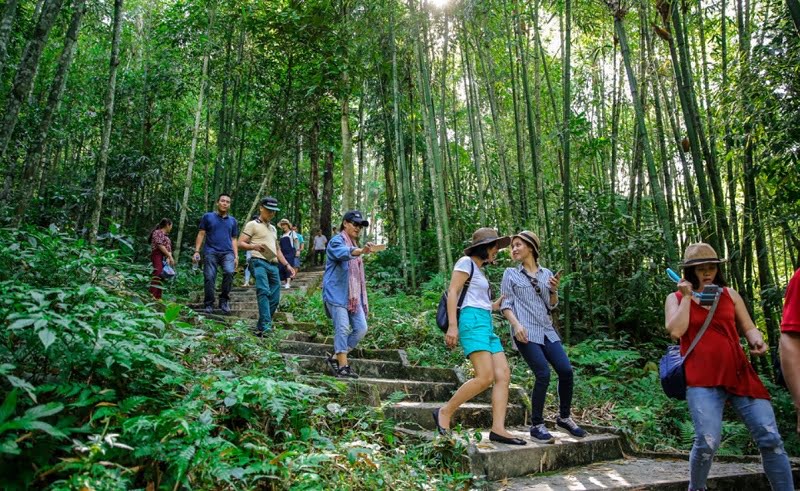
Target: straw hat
pixel 529 238
pixel 487 235
pixel 284 221
pixel 700 253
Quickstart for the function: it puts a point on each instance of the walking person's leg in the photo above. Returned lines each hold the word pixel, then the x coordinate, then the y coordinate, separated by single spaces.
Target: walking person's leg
pixel 484 376
pixel 342 330
pixel 533 354
pixel 209 280
pixel 262 296
pixel 759 417
pixel 502 377
pixel 358 327
pixel 557 357
pixel 274 278
pixel 705 406
pixel 228 268
pixel 157 259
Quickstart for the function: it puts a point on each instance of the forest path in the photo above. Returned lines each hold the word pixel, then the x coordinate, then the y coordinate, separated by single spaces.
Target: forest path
pixel 601 460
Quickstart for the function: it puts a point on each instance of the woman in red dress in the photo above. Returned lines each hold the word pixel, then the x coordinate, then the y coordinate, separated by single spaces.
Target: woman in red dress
pixel 160 251
pixel 717 371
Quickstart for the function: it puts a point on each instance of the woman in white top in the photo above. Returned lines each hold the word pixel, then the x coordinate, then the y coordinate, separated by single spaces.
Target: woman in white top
pixel 473 328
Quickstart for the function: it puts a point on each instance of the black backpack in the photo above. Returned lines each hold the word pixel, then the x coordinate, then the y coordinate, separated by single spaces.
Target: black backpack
pixel 442 319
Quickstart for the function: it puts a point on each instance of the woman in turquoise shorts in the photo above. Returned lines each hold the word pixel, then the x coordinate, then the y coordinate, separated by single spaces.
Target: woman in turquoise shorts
pixel 473 329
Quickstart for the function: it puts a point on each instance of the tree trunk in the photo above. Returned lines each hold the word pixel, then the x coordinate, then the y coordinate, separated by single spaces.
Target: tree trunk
pixel 348 196
pixel 406 231
pixel 108 118
pixel 435 170
pixel 34 155
pixel 327 196
pixel 313 181
pixel 565 223
pixel 474 134
pixel 26 70
pixel 195 133
pixel 655 187
pixel 6 23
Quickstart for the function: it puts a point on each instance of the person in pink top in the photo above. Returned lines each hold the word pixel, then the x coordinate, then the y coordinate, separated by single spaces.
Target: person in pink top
pixel 160 251
pixel 790 341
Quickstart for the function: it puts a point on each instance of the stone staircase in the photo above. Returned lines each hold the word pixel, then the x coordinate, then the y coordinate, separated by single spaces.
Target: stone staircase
pixel 602 460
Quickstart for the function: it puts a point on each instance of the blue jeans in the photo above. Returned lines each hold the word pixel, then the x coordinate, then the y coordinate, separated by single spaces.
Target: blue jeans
pixel 348 328
pixel 706 405
pixel 537 356
pixel 213 261
pixel 268 292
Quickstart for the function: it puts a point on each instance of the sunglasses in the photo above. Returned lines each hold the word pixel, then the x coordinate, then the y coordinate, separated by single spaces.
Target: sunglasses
pixel 356 225
pixel 535 283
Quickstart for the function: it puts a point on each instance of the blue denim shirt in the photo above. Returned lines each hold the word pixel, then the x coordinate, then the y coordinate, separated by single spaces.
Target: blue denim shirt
pixel 335 290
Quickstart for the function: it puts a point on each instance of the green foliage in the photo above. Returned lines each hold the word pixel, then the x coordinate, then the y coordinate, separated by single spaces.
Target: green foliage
pixel 101 391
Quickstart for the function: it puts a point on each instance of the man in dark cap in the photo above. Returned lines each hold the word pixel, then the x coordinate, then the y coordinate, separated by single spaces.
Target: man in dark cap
pixel 261 237
pixel 344 291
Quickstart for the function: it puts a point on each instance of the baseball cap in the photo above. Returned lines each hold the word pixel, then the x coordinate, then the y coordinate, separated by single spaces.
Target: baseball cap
pixel 355 216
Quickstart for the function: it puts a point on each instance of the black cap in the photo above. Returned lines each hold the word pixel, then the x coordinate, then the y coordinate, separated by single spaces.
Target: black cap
pixel 354 216
pixel 270 203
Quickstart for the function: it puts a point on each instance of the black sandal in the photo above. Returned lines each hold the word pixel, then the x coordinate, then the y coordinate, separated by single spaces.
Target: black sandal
pixel 442 431
pixel 504 439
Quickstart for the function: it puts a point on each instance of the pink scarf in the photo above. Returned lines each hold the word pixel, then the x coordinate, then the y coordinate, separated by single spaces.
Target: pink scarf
pixel 356 283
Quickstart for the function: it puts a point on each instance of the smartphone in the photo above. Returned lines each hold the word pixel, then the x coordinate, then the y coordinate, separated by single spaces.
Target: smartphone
pixel 378 247
pixel 558 273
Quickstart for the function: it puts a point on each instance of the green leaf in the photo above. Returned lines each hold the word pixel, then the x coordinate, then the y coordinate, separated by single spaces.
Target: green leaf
pixel 21 323
pixel 22 384
pixel 47 428
pixel 9 405
pixel 172 313
pixel 47 337
pixel 9 447
pixel 44 410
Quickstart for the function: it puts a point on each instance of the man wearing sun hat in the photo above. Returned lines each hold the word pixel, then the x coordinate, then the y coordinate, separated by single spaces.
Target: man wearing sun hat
pixel 261 238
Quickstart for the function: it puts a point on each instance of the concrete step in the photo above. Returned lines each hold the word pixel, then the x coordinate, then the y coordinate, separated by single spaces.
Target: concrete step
pixel 499 461
pixel 373 369
pixel 469 415
pixel 668 474
pixel 321 349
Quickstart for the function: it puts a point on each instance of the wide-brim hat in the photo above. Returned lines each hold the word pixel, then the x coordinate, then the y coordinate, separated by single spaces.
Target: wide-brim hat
pixel 487 235
pixel 529 238
pixel 700 253
pixel 286 221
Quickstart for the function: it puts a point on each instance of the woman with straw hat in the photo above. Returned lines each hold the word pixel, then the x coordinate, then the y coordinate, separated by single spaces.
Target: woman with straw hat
pixel 718 370
pixel 472 327
pixel 530 294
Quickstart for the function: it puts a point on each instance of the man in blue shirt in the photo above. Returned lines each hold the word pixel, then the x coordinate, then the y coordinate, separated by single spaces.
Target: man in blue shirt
pixel 344 291
pixel 220 232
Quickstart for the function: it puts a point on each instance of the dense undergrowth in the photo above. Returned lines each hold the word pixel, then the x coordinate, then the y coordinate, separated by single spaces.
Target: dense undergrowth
pixel 104 391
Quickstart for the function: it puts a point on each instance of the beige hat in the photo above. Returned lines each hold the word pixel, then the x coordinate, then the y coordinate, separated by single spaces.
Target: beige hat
pixel 529 238
pixel 286 221
pixel 487 235
pixel 700 253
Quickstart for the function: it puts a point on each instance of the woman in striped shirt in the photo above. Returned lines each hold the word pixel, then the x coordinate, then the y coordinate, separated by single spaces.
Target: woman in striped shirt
pixel 530 294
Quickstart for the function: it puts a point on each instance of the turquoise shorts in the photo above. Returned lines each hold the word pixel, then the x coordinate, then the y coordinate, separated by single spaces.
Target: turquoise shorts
pixel 476 331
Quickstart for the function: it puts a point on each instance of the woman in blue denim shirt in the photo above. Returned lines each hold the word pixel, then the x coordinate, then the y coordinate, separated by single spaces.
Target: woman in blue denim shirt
pixel 344 291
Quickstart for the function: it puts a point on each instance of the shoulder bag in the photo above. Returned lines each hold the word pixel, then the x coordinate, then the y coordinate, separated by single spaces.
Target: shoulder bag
pixel 442 318
pixel 670 369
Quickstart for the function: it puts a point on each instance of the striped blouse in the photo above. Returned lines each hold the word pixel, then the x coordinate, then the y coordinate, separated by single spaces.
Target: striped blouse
pixel 532 312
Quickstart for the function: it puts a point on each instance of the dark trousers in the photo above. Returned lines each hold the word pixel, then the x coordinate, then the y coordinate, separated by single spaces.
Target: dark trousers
pixel 539 357
pixel 157 258
pixel 319 257
pixel 213 261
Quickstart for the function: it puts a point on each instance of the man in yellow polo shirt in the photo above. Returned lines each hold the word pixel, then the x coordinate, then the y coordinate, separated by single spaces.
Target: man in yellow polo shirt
pixel 261 237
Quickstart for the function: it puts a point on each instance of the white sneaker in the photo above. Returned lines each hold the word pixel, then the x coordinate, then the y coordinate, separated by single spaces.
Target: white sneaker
pixel 287 286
